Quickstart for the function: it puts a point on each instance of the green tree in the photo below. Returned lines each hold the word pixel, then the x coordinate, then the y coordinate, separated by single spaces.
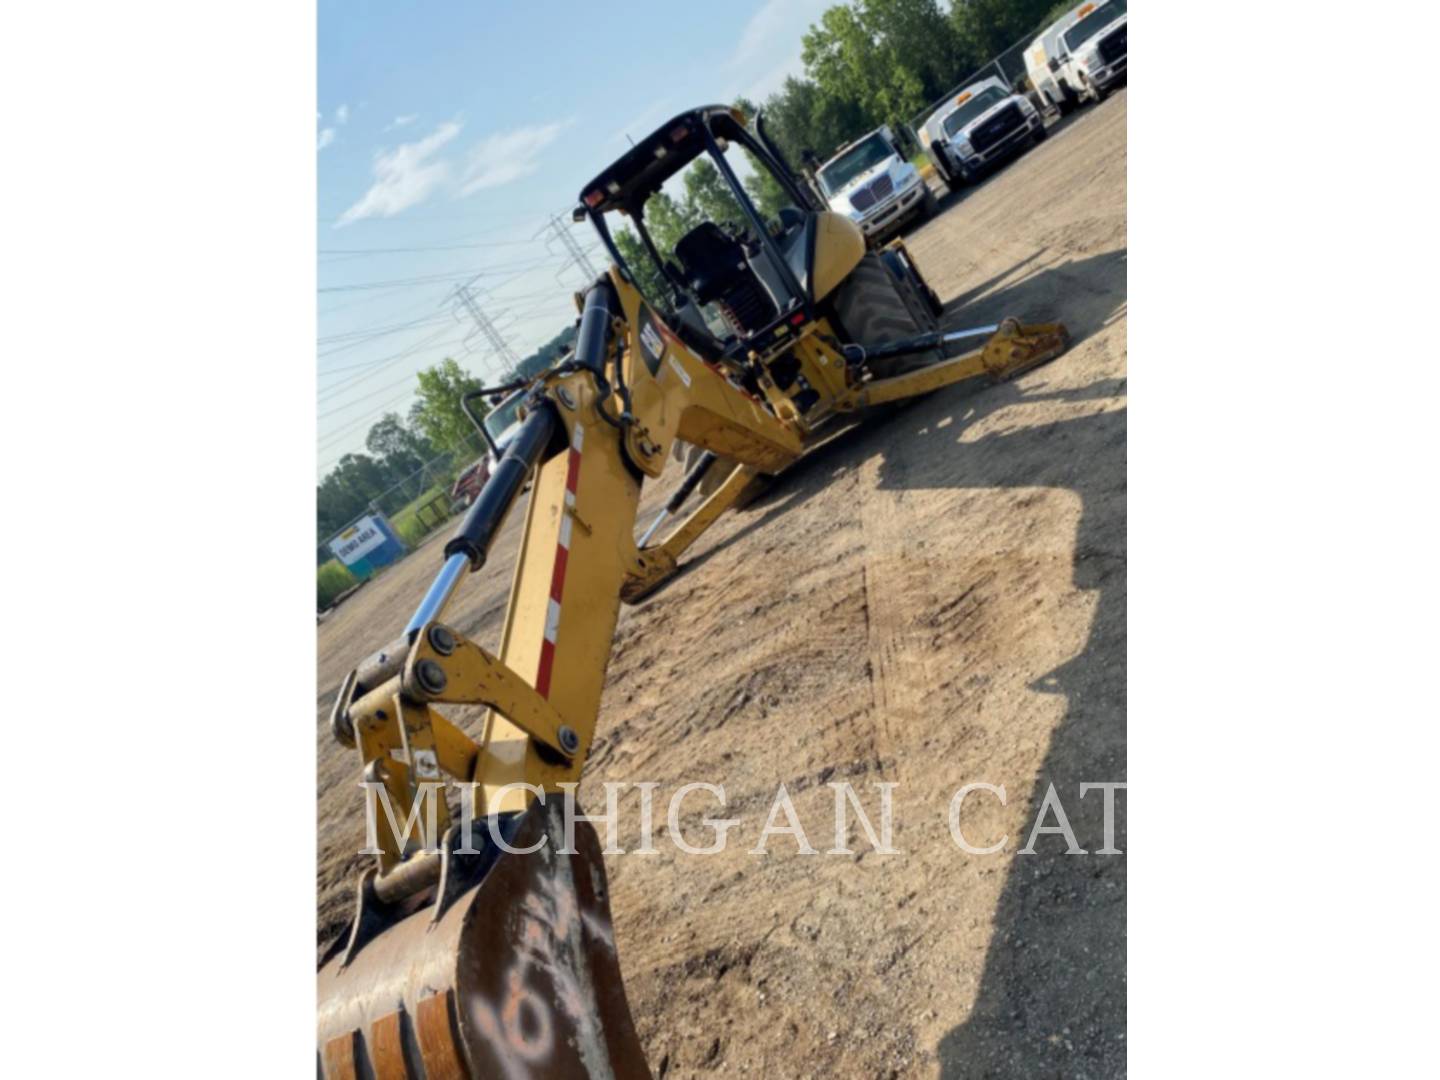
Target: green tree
pixel 764 190
pixel 889 57
pixel 437 413
pixel 346 491
pixel 543 358
pixel 666 220
pixel 708 197
pixel 805 120
pixel 987 28
pixel 401 449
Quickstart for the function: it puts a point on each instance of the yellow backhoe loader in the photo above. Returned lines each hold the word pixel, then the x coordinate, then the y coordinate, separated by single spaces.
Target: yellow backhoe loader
pixel 482 946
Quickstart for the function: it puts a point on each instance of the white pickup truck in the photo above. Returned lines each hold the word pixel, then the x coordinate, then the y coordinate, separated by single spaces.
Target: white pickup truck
pixel 1091 50
pixel 980 126
pixel 871 183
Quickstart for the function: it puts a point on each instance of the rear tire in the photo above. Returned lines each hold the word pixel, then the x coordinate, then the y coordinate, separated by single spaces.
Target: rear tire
pixel 928 204
pixel 874 308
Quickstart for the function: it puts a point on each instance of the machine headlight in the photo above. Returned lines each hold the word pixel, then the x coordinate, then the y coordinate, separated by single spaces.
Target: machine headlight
pixel 962 147
pixel 1093 61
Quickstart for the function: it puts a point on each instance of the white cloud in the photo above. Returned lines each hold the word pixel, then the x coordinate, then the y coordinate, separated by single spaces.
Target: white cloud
pixel 325 138
pixel 769 46
pixel 404 177
pixel 508 156
pixel 777 24
pixel 342 114
pixel 402 121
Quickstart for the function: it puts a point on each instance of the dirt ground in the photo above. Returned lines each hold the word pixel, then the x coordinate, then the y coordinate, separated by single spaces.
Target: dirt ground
pixel 935 600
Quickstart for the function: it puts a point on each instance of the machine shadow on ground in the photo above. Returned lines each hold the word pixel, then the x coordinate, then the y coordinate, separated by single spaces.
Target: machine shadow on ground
pixel 1051 999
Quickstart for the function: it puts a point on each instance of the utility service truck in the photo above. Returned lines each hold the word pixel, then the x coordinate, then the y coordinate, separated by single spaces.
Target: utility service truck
pixel 983 124
pixel 1080 56
pixel 1093 49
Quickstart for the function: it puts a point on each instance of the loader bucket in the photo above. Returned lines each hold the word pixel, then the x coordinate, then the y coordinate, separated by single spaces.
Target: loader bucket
pixel 506 967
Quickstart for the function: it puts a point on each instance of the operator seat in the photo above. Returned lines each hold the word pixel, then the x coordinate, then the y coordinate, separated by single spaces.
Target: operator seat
pixel 711 260
pixel 715 270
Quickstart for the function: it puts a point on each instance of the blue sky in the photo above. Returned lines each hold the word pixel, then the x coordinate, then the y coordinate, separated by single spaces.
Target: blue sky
pixel 446 136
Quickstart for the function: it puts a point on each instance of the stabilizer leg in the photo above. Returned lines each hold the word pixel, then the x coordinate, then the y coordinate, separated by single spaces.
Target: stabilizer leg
pixel 660 560
pixel 1012 350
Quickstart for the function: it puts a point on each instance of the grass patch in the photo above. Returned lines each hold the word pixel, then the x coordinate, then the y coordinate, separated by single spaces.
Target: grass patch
pixel 409 522
pixel 333 579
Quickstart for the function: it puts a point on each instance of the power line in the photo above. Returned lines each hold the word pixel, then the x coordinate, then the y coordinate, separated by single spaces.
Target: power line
pixel 352 338
pixel 430 279
pixel 373 393
pixel 374 367
pixel 346 252
pixel 465 297
pixel 578 256
pixel 338 435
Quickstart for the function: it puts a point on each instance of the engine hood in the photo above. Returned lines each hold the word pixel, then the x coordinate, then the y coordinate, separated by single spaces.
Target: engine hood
pixel 964 131
pixel 900 173
pixel 1092 43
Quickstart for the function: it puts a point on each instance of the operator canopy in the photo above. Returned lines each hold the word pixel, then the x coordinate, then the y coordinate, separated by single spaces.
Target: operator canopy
pixel 637 175
pixel 730 281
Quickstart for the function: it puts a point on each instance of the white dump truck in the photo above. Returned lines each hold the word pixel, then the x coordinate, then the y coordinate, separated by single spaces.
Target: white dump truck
pixel 870 182
pixel 980 126
pixel 1080 56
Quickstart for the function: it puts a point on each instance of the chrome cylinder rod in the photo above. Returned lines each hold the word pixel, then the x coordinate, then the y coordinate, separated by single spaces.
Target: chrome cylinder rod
pixel 437 597
pixel 659 519
pixel 956 335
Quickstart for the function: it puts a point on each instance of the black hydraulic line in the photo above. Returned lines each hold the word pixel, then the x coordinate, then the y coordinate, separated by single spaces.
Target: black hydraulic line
pixel 691 481
pixel 856 354
pixel 485 516
pixel 935 339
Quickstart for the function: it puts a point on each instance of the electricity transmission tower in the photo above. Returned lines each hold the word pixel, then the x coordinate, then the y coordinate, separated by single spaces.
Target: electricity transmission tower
pixel 576 253
pixel 466 301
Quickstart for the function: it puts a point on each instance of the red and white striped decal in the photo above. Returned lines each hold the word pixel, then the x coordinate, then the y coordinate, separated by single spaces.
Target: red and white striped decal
pixel 562 557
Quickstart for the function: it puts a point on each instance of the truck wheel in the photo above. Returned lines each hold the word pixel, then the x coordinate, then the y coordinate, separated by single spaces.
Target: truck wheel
pixel 874 308
pixel 1040 134
pixel 1069 102
pixel 927 203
